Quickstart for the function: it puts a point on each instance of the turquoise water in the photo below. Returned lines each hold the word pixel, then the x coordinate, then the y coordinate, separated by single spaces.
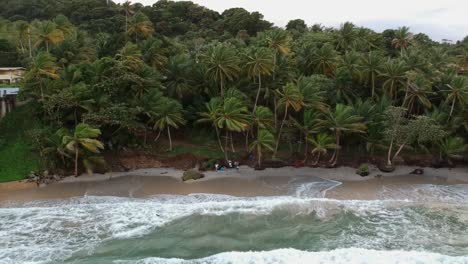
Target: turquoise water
pixel 421 224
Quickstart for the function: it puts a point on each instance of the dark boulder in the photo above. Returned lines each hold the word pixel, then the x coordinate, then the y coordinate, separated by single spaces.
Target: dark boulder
pixel 386 168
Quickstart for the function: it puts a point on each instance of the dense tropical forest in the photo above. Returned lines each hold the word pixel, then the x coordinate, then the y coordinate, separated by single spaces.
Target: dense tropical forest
pixel 175 76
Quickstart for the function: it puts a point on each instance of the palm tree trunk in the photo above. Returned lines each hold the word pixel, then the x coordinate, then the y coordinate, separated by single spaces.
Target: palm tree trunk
pixel 170 139
pixel 275 105
pixel 279 132
pixel 47 46
pixel 258 92
pixel 318 158
pixel 219 139
pixel 398 151
pixel 126 22
pixel 157 137
pixel 29 43
pixel 389 161
pixel 259 153
pixel 373 84
pixel 222 88
pixel 452 108
pixel 232 144
pixel 334 158
pixel 306 149
pixel 76 160
pixel 226 146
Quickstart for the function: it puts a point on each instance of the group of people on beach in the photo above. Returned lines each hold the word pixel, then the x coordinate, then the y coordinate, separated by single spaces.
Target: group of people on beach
pixel 229 165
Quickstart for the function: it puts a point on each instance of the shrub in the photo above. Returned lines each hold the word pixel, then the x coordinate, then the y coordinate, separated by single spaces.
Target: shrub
pixel 363 170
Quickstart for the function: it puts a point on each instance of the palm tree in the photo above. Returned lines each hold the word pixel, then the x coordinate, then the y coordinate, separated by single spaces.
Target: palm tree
pixel 452 148
pixel 140 25
pixel 41 67
pixel 48 33
pixel 394 71
pixel 417 91
pixel 341 120
pixel 233 117
pixel 130 57
pixel 371 63
pixel 265 140
pixel 167 114
pixel 324 60
pixel 280 42
pixel 211 115
pixel 178 73
pixel 309 127
pixel 84 137
pixel 24 29
pixel 403 38
pixel 346 36
pixel 457 92
pixel 222 64
pixel 263 118
pixel 127 9
pixel 259 62
pixel 289 97
pixel 320 145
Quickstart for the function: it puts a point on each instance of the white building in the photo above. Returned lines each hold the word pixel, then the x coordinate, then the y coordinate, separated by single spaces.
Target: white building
pixel 11 74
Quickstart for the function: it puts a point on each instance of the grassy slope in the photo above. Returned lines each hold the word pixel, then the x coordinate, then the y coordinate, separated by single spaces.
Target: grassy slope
pixel 16 157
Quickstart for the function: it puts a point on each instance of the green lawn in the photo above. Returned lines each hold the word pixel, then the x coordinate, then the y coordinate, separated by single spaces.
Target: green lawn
pixel 16 156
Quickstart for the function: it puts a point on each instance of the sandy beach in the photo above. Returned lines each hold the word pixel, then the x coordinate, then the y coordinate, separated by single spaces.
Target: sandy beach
pixel 344 183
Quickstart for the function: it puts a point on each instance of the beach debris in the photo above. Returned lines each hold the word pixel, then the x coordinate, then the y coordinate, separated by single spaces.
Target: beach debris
pixel 192 175
pixel 418 171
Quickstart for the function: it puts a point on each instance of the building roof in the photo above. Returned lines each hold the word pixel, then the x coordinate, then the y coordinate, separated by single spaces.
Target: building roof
pixel 8 91
pixel 11 68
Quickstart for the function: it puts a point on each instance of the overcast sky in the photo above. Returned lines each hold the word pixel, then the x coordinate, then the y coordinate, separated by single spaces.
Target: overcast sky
pixel 440 19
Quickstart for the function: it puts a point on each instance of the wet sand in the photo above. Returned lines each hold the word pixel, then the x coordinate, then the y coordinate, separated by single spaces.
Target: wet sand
pixel 246 182
pixel 142 186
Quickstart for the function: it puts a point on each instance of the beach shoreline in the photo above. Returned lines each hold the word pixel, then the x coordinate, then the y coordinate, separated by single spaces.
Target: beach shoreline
pixel 243 182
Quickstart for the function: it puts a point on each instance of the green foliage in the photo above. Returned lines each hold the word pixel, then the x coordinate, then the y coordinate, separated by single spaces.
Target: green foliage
pixel 135 72
pixel 17 155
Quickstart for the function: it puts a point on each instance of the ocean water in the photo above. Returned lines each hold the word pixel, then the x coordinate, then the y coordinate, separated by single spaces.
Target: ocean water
pixel 418 224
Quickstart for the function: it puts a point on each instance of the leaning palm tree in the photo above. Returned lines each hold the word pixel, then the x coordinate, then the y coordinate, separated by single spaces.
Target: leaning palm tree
pixel 211 115
pixel 167 114
pixel 341 120
pixel 289 97
pixel 140 26
pixel 259 63
pixel 84 138
pixel 47 33
pixel 222 64
pixel 403 38
pixel 233 117
pixel 265 141
pixel 41 67
pixel 457 93
pixel 320 145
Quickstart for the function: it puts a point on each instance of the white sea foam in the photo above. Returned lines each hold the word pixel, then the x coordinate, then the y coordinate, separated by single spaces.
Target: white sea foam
pixel 39 232
pixel 293 256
